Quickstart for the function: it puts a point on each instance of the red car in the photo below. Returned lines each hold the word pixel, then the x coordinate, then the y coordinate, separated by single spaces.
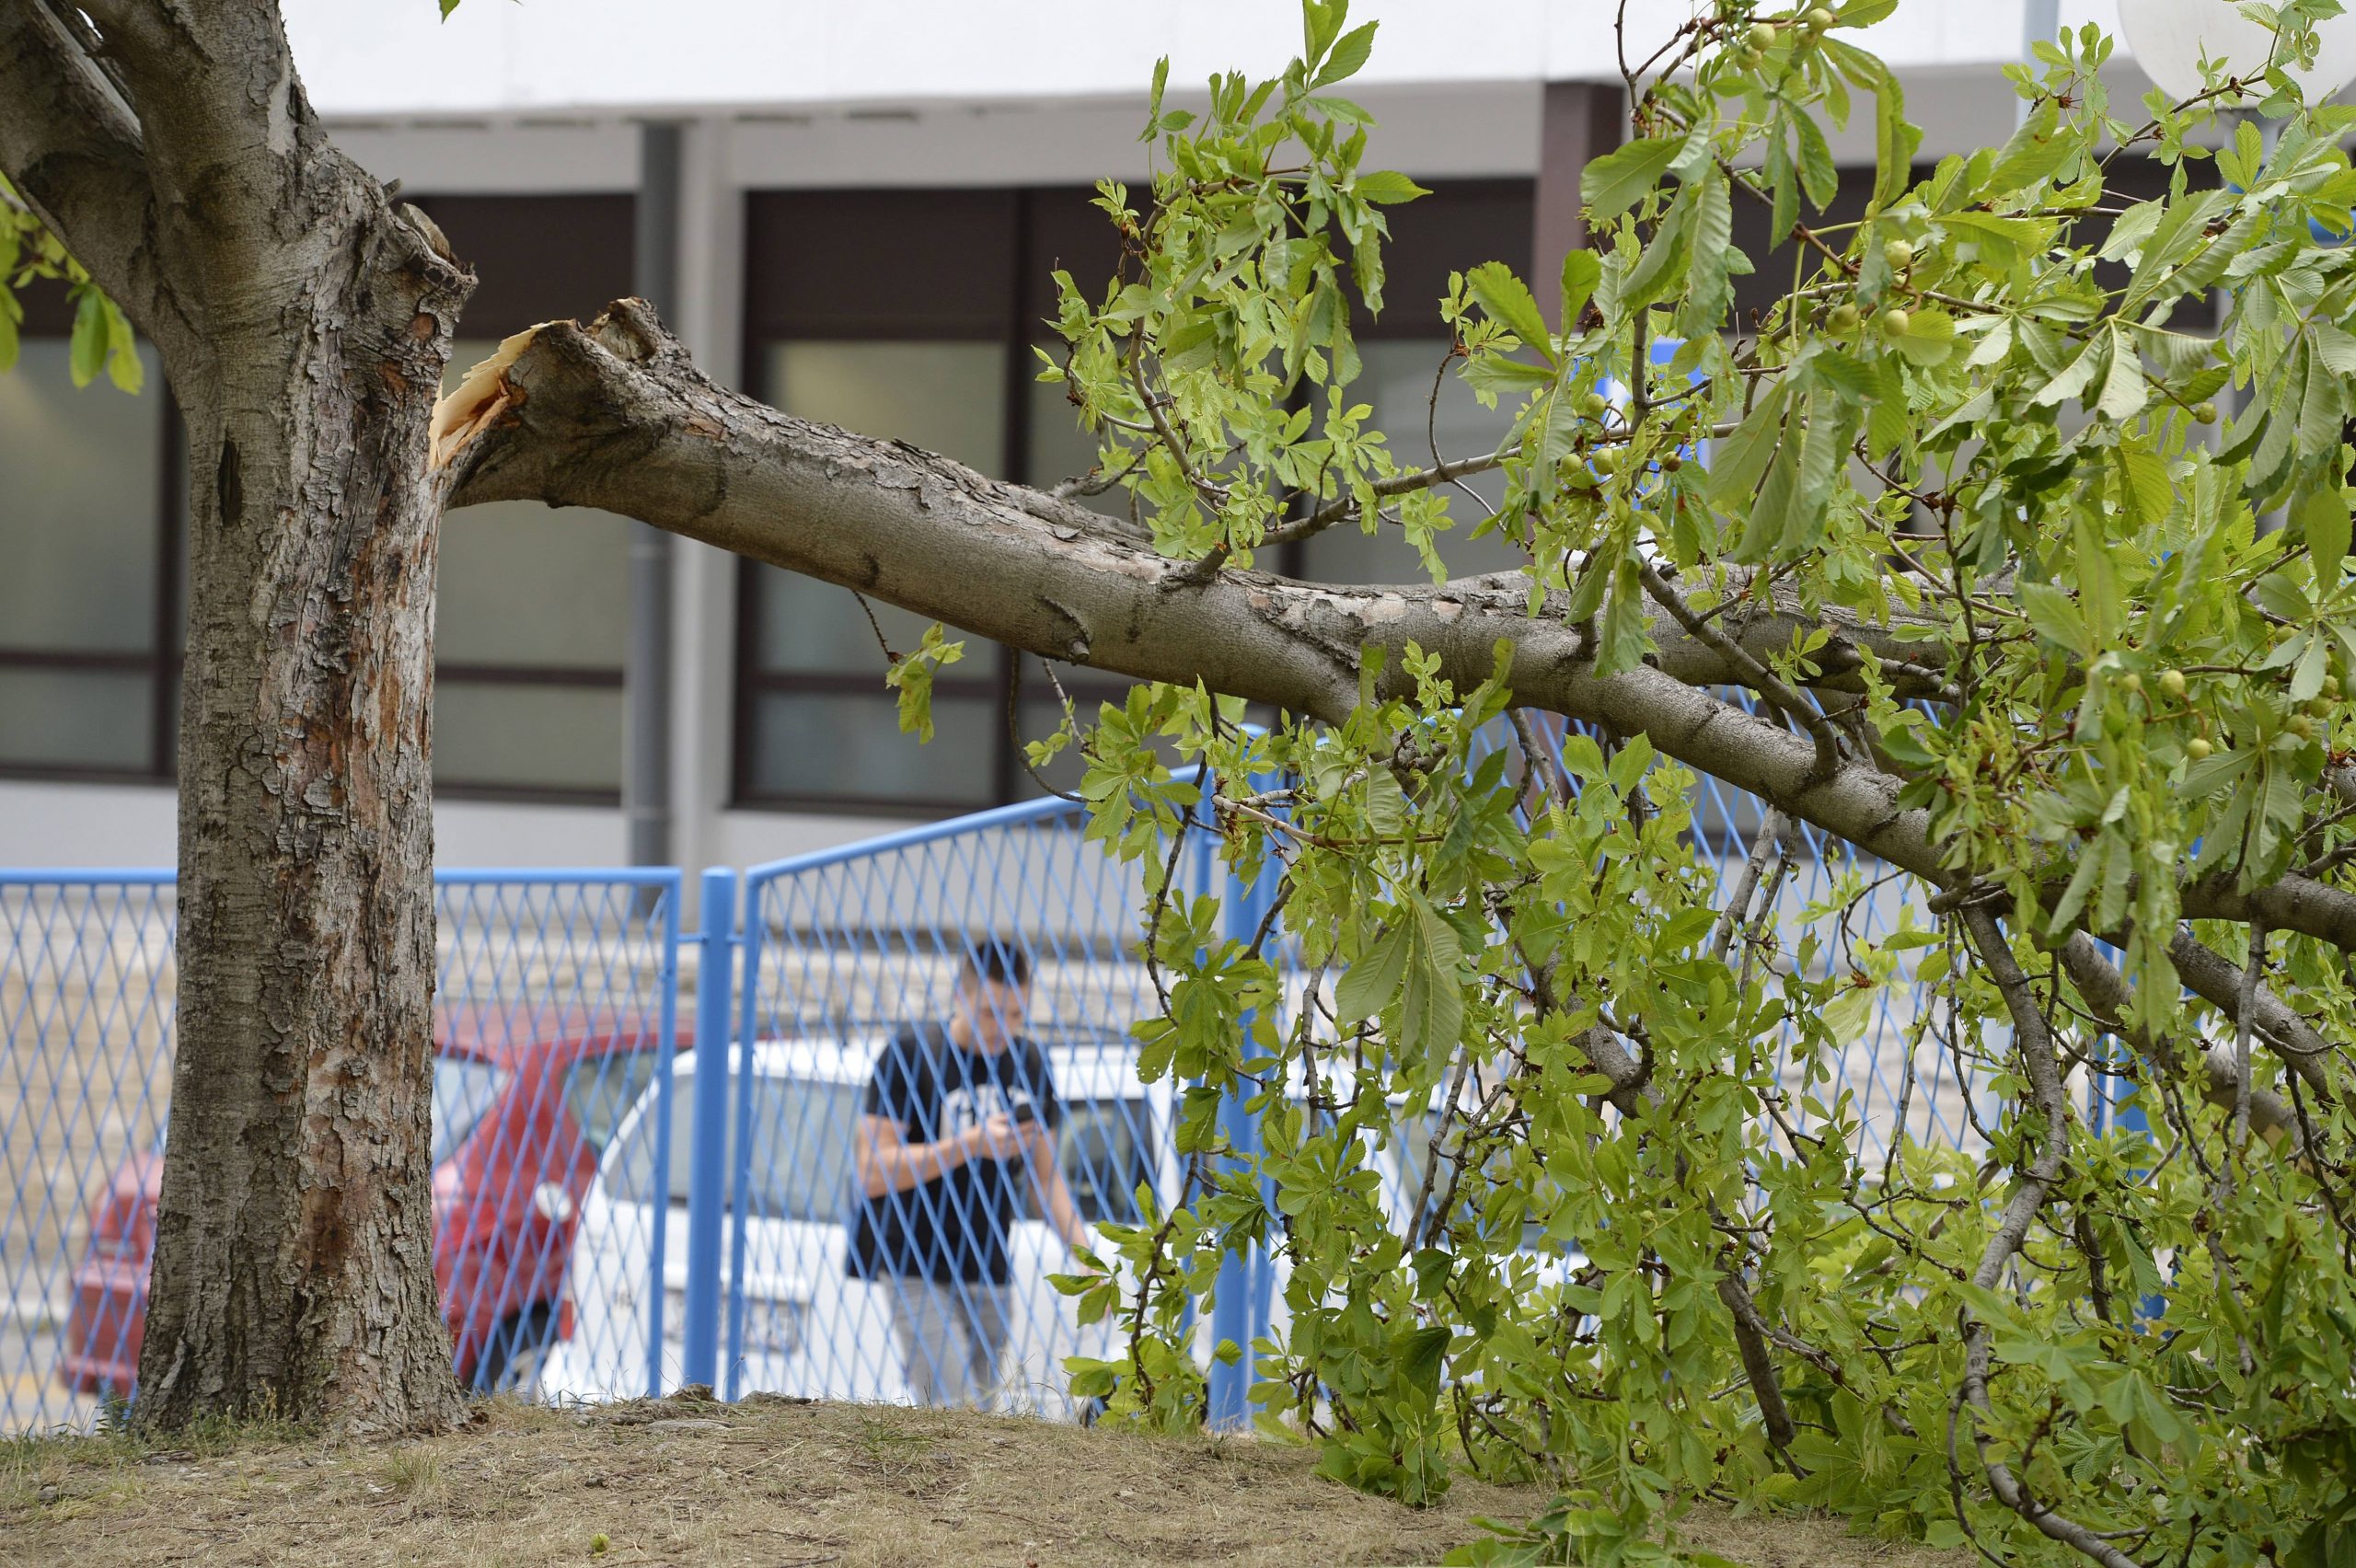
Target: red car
pixel 524 1101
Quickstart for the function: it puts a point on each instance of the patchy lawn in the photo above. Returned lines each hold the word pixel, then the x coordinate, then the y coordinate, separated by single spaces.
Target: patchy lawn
pixel 765 1485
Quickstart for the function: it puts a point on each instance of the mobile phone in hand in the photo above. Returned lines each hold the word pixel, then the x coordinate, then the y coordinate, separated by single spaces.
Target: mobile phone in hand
pixel 1025 1114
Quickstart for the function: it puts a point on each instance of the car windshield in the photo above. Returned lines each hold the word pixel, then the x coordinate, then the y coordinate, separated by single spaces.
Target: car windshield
pixel 805 1136
pixel 464 1089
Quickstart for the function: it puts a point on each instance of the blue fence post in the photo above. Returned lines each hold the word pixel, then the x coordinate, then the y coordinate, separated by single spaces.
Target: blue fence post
pixel 673 893
pixel 708 1155
pixel 1240 1307
pixel 740 1169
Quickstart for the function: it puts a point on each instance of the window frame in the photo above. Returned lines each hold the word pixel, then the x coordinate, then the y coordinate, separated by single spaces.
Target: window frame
pixel 571 248
pixel 549 253
pixel 47 315
pixel 995 314
pixel 1021 232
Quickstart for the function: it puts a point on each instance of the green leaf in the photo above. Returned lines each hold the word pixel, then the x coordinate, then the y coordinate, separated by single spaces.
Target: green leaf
pixel 911 676
pixel 1371 981
pixel 1582 269
pixel 2035 150
pixel 1588 596
pixel 1417 1356
pixel 2324 524
pixel 448 6
pixel 1612 183
pixel 1820 176
pixel 2001 242
pixel 2211 774
pixel 1619 640
pixel 1386 804
pixel 1929 338
pixel 1154 102
pixel 2123 389
pixel 2145 489
pixel 2055 616
pixel 2098 599
pixel 1709 280
pixel 1829 433
pixel 1387 186
pixel 1661 265
pixel 2073 378
pixel 1768 518
pixel 1347 57
pixel 2334 348
pixel 1431 1007
pixel 123 366
pixel 1509 303
pixel 2314 666
pixel 2283 597
pixel 1887 424
pixel 1894 141
pixel 2321 409
pixel 86 352
pixel 1738 462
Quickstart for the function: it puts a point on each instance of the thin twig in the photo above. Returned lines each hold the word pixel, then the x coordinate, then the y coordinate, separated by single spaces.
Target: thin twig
pixel 1771 830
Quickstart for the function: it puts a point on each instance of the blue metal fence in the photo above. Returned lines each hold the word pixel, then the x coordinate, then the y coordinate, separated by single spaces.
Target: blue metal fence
pixel 629 1197
pixel 846 950
pixel 555 1014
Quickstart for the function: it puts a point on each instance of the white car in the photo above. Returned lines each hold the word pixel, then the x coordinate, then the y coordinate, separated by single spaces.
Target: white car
pixel 809 1328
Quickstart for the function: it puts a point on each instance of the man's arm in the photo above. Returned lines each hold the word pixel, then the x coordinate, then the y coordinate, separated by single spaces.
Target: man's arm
pixel 1048 1187
pixel 889 1163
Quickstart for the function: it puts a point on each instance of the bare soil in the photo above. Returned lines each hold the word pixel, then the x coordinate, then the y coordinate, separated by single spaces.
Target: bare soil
pixel 762 1485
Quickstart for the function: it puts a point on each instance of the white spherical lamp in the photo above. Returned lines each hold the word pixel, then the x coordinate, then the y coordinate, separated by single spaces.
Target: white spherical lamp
pixel 2170 36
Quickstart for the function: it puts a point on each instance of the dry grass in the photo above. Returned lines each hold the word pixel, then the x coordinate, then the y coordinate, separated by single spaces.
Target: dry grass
pixel 767 1486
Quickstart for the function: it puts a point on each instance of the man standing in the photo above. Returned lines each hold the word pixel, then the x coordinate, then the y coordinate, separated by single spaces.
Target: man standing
pixel 959 1126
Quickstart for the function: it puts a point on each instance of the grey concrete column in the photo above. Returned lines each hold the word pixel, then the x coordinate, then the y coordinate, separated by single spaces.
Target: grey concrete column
pixel 646 669
pixel 1579 120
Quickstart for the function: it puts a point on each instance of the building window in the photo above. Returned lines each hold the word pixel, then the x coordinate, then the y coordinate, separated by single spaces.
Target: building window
pixel 89 606
pixel 531 617
pixel 532 608
pixel 913 314
pixel 908 315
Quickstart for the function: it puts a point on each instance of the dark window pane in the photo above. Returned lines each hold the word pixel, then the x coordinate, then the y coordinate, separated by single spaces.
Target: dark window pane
pixel 78 526
pixel 948 397
pixel 880 264
pixel 1060 449
pixel 803 625
pixel 848 746
pixel 75 717
pixel 510 736
pixel 1396 382
pixel 524 583
pixel 538 257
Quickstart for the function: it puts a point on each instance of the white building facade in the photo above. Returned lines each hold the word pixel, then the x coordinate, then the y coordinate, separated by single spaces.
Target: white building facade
pixel 868 199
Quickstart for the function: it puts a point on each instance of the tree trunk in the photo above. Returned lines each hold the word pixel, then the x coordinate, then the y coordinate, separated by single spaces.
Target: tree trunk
pixel 292 1267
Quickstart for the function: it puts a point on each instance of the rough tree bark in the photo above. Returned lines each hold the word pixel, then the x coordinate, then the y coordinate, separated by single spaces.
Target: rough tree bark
pixel 304 322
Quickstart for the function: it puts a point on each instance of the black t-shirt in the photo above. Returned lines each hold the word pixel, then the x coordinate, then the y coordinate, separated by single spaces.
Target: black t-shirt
pixel 954 1227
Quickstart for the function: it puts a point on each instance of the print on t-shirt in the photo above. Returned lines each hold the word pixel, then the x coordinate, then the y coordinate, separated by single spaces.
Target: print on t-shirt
pixel 954 1227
